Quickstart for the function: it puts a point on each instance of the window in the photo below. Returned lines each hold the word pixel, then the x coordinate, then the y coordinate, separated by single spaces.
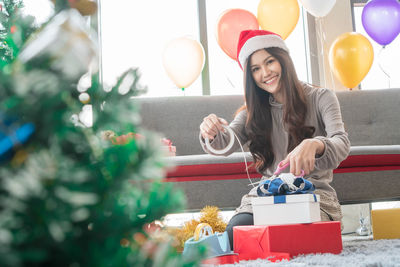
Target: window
pixel 135 33
pixel 385 59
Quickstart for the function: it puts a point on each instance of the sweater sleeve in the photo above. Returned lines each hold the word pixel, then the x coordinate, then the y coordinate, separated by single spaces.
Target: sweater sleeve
pixel 222 139
pixel 337 143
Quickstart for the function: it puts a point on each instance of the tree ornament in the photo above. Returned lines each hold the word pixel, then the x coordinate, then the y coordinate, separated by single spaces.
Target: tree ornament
pixel 13 29
pixel 84 98
pixel 65 41
pixel 85 7
pixel 20 156
pixel 124 242
pixel 12 135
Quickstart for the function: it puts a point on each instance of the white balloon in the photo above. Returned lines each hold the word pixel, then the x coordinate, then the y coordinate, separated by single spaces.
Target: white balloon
pixel 318 8
pixel 183 60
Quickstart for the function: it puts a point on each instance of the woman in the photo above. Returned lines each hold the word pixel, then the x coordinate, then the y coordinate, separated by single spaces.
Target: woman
pixel 283 119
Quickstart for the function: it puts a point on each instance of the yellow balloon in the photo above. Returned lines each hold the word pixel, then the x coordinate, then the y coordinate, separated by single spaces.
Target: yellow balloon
pixel 278 16
pixel 350 58
pixel 183 60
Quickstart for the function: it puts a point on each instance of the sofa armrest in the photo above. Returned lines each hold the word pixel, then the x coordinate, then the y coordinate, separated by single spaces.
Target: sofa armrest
pixel 371 158
pixel 209 159
pixel 208 167
pixel 374 150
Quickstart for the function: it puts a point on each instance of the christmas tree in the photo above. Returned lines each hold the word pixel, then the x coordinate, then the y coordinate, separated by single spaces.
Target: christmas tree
pixel 69 196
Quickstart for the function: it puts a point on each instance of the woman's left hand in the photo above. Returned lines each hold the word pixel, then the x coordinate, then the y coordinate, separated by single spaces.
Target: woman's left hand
pixel 303 156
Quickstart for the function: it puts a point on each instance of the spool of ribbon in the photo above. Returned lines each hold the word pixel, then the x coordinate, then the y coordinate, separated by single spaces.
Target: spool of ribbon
pixel 232 135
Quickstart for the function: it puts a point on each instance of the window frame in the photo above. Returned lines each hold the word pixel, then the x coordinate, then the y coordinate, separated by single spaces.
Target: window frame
pixel 354 3
pixel 205 74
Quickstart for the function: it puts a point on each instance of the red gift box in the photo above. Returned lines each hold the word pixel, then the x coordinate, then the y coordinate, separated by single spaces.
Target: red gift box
pixel 225 259
pixel 285 241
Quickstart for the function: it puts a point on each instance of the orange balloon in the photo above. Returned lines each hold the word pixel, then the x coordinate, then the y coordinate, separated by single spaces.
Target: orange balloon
pixel 350 58
pixel 278 16
pixel 229 25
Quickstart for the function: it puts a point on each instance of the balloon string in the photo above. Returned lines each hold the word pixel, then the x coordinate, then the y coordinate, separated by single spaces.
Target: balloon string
pixel 229 146
pixel 322 39
pixel 380 65
pixel 227 77
pixel 245 161
pixel 230 82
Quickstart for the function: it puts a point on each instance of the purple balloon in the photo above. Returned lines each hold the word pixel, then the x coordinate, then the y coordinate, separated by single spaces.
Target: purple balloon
pixel 381 20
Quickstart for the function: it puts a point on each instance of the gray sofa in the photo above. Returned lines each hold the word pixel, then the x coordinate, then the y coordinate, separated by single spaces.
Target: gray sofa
pixel 370 173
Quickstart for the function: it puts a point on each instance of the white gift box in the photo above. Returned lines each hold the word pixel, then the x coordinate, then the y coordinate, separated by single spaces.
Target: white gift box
pixel 286 209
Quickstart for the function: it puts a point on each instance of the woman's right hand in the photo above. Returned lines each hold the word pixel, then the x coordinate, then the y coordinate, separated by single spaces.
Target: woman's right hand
pixel 211 125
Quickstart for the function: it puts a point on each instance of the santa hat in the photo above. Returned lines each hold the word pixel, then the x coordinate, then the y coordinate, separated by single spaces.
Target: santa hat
pixel 253 40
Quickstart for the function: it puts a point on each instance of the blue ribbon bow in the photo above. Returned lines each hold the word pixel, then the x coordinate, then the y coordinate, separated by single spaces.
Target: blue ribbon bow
pixel 277 186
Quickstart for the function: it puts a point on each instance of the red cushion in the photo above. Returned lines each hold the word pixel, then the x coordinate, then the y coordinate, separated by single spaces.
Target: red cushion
pixel 370 161
pixel 229 171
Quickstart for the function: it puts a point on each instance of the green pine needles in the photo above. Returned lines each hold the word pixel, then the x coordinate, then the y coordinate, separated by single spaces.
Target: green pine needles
pixel 67 196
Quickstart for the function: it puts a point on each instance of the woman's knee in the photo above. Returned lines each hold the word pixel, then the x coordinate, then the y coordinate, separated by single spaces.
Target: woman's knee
pixel 236 220
pixel 241 219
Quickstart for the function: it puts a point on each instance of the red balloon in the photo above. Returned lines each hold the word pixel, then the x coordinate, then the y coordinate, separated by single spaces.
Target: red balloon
pixel 229 26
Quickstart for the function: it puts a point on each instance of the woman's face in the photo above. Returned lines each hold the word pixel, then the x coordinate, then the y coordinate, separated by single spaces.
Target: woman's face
pixel 266 71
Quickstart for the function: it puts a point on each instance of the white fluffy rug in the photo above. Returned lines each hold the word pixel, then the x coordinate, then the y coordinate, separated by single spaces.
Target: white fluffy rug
pixel 356 252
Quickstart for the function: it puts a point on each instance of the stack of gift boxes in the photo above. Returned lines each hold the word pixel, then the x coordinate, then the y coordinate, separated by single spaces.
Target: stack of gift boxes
pixel 286 226
pixel 287 223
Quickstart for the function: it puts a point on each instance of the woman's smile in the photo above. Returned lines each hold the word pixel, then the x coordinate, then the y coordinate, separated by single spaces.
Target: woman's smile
pixel 272 80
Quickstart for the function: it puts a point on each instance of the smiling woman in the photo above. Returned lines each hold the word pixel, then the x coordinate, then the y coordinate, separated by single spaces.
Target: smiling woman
pixel 284 121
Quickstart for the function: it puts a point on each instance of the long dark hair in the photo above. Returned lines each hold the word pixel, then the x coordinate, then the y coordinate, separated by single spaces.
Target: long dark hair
pixel 259 118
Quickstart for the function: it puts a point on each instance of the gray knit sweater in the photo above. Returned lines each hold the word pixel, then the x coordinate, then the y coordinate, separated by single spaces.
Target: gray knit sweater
pixel 325 115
